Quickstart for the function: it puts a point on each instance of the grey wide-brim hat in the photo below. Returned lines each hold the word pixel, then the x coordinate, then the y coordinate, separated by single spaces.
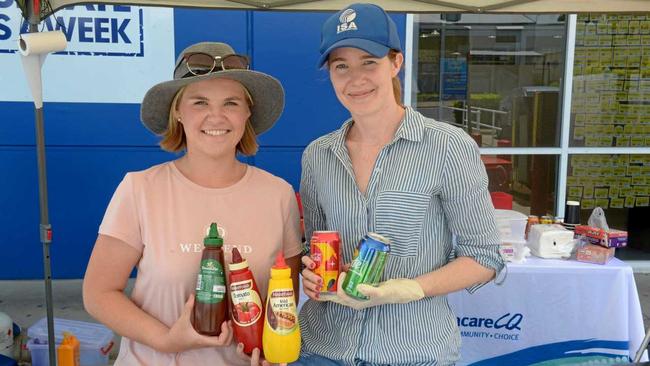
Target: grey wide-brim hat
pixel 266 91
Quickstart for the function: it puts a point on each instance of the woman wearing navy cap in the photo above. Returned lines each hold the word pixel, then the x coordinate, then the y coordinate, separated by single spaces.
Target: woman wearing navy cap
pixel 414 180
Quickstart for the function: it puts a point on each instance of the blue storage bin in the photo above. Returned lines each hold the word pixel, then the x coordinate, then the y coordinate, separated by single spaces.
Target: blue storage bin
pixel 95 341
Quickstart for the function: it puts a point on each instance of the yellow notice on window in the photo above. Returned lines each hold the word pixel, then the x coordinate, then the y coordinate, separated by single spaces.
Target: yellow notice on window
pixel 623 141
pixel 642 201
pixel 626 192
pixel 641 190
pixel 616 202
pixel 619 171
pixel 588 192
pixel 579 171
pixel 591 141
pixel 601 192
pixel 602 202
pixel 605 41
pixel 629 201
pixel 637 159
pixel 644 27
pixel 637 141
pixel 575 191
pixel 573 181
pixel 593 172
pixel 606 141
pixel 619 40
pixel 633 170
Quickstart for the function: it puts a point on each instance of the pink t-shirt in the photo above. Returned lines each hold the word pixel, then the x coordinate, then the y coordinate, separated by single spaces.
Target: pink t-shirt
pixel 165 216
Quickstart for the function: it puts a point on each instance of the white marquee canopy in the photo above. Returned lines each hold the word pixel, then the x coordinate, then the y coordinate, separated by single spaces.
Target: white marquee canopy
pixel 410 6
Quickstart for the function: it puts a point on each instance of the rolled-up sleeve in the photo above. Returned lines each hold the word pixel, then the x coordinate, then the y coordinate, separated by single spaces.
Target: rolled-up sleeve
pixel 467 205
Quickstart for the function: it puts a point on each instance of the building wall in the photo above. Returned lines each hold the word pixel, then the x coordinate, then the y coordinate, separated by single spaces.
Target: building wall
pixel 90 146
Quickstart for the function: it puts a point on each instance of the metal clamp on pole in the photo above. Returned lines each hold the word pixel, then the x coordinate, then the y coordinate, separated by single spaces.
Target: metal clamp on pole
pixel 46 233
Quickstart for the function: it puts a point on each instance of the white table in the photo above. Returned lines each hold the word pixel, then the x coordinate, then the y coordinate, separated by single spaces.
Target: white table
pixel 567 311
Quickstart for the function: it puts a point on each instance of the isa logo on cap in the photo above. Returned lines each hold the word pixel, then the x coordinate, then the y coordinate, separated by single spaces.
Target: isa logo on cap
pixel 347 21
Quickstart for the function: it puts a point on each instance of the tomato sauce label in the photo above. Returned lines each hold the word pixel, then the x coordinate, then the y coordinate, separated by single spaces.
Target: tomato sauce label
pixel 281 311
pixel 246 303
pixel 211 282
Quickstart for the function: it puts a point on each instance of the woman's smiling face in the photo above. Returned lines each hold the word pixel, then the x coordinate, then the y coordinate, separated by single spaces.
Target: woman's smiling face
pixel 361 81
pixel 214 114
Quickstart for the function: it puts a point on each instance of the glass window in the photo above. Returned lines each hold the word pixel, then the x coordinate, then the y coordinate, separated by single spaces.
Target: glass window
pixel 618 183
pixel 615 182
pixel 611 83
pixel 524 183
pixel 496 76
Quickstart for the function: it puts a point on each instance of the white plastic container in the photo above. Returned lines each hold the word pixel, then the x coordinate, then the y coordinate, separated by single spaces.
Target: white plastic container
pixel 514 250
pixel 95 341
pixel 511 224
pixel 6 335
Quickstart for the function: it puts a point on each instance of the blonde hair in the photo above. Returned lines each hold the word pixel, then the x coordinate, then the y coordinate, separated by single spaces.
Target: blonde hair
pixel 174 140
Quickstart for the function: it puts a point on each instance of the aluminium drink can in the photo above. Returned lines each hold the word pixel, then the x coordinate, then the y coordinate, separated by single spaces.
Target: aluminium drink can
pixel 546 219
pixel 325 250
pixel 368 265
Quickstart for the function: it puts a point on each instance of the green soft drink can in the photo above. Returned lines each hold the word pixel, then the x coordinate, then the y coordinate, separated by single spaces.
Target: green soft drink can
pixel 368 265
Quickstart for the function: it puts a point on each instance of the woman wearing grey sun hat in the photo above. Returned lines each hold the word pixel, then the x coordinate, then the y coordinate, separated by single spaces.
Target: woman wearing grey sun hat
pixel 265 90
pixel 210 112
pixel 416 182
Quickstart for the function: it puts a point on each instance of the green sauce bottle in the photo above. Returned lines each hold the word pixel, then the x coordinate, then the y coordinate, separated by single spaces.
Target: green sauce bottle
pixel 210 304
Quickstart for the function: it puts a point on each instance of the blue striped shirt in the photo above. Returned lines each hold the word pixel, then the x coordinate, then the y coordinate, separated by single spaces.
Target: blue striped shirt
pixel 427 185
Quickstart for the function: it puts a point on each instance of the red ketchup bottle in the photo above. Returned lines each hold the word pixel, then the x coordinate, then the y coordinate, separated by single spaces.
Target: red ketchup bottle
pixel 247 308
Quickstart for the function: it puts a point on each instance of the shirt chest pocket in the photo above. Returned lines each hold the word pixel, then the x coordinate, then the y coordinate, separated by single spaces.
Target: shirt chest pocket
pixel 399 215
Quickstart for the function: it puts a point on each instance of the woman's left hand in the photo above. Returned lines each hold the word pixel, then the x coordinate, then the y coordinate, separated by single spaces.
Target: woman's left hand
pixel 394 291
pixel 255 359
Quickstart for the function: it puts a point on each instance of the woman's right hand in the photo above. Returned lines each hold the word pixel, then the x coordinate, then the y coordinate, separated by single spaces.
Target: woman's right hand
pixel 311 282
pixel 182 336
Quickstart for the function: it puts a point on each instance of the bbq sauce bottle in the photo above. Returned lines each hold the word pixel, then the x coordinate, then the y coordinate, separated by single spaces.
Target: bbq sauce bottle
pixel 210 304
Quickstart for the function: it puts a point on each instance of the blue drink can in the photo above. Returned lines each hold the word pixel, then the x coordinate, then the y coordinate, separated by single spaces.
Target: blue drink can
pixel 368 264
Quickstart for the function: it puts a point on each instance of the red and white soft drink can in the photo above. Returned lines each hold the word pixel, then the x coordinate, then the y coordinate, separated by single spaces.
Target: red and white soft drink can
pixel 325 251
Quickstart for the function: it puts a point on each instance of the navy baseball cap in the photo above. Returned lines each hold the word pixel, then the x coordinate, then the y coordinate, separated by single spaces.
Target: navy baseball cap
pixel 363 26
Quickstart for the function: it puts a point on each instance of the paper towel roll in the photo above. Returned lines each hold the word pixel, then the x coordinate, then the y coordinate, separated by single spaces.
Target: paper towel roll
pixel 34 47
pixel 41 43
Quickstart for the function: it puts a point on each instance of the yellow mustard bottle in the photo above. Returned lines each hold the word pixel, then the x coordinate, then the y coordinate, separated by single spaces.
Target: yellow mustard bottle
pixel 68 352
pixel 281 336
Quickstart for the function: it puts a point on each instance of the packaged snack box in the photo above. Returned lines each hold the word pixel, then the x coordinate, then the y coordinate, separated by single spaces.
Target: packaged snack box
pixel 594 254
pixel 606 238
